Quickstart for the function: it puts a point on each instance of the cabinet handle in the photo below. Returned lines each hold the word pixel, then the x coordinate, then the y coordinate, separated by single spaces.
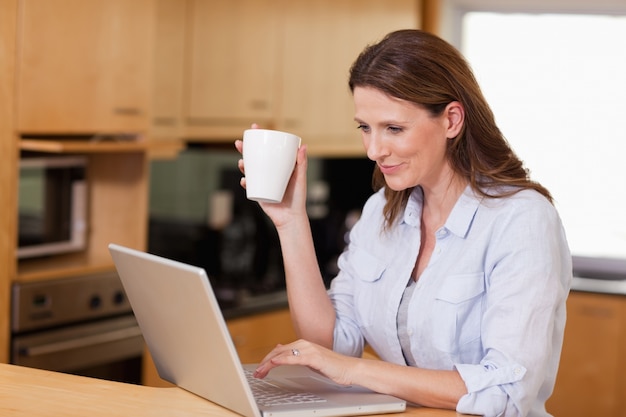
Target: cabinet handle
pixel 219 121
pixel 259 105
pixel 127 111
pixel 292 123
pixel 165 121
pixel 595 311
pixel 82 342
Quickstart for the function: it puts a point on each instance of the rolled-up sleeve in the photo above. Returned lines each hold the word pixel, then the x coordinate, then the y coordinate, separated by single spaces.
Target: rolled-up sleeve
pixel 486 385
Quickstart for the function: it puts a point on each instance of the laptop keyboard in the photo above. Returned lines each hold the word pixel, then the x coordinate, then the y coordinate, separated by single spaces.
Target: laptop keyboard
pixel 267 394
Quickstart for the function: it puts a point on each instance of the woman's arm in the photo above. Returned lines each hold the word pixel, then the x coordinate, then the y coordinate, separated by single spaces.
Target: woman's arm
pixel 430 388
pixel 312 313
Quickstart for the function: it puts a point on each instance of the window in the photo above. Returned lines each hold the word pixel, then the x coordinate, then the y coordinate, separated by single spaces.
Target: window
pixel 556 81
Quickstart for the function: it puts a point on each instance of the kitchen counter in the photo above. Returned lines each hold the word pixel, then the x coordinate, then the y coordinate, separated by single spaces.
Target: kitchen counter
pixel 28 392
pixel 600 286
pixel 249 305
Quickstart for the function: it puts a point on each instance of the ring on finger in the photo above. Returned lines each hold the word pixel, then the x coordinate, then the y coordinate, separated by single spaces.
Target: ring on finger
pixel 295 352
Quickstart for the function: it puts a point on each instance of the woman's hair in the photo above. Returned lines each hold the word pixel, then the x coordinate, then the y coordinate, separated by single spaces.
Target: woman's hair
pixel 421 68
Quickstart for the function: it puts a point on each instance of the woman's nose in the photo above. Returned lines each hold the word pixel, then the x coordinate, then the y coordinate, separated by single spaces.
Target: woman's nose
pixel 374 147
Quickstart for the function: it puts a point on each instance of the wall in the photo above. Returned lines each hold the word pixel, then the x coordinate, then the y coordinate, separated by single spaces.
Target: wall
pixel 180 188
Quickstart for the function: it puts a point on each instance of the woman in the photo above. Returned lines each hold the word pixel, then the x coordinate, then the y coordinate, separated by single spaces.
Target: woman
pixel 457 272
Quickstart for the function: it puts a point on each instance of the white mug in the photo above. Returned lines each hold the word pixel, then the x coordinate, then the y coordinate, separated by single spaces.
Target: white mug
pixel 269 157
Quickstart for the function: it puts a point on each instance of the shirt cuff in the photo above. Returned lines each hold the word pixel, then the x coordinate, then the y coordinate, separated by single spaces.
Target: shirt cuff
pixel 485 395
pixel 479 377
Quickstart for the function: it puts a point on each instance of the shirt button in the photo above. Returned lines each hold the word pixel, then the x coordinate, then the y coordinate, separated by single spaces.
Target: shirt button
pixel 517 370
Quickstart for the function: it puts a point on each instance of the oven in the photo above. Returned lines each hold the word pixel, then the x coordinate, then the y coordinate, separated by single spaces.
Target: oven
pixel 81 325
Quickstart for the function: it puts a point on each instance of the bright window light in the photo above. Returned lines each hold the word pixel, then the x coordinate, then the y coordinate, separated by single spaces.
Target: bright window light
pixel 557 86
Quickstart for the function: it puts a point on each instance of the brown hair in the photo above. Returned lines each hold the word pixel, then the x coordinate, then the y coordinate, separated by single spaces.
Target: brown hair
pixel 421 68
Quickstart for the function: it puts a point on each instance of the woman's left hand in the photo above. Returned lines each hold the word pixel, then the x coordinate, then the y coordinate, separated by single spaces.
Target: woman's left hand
pixel 333 365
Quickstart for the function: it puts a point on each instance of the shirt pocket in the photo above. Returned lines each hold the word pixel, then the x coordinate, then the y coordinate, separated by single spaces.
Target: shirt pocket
pixel 458 312
pixel 367 291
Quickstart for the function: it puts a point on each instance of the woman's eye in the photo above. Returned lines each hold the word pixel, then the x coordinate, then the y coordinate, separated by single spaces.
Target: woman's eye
pixel 395 129
pixel 363 127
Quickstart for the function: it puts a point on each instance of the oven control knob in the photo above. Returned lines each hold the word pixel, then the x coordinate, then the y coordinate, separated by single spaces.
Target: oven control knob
pixel 95 302
pixel 118 298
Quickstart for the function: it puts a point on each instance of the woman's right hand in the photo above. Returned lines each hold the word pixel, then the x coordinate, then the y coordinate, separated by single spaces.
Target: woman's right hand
pixel 293 204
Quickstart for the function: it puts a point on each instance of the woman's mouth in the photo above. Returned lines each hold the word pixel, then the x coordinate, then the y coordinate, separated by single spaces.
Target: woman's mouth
pixel 388 169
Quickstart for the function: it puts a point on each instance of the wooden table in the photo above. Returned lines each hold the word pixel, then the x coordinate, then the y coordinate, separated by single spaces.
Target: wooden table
pixel 31 392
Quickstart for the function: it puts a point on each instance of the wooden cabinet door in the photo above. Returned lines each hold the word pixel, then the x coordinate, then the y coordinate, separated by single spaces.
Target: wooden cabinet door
pixel 232 66
pixel 255 336
pixel 169 69
pixel 320 42
pixel 8 171
pixel 84 66
pixel 591 379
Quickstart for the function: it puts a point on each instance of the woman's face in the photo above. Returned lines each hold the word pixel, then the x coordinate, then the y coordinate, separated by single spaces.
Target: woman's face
pixel 405 141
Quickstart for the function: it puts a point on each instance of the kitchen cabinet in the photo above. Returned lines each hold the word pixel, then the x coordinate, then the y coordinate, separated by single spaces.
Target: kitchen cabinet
pixel 117 212
pixel 169 65
pixel 84 66
pixel 71 71
pixel 117 207
pixel 592 373
pixel 321 40
pixel 8 167
pixel 83 82
pixel 282 64
pixel 254 336
pixel 232 68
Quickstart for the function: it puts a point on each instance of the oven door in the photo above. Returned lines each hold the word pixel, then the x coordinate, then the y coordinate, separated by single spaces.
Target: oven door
pixel 109 349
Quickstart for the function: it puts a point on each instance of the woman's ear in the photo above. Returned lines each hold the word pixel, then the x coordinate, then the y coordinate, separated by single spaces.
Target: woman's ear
pixel 455 114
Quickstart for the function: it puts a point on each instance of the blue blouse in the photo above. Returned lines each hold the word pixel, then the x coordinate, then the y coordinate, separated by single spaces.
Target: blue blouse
pixel 490 303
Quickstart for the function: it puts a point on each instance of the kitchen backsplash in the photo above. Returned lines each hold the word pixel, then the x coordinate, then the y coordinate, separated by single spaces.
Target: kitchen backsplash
pixel 199 214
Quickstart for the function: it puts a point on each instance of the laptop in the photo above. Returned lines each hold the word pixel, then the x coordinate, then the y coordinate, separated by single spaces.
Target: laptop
pixel 187 336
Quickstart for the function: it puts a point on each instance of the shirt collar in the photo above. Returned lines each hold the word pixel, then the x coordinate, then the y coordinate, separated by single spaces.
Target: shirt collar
pixel 463 213
pixel 460 218
pixel 413 210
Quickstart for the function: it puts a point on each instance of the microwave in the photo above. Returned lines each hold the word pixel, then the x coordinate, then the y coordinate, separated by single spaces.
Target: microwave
pixel 52 205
